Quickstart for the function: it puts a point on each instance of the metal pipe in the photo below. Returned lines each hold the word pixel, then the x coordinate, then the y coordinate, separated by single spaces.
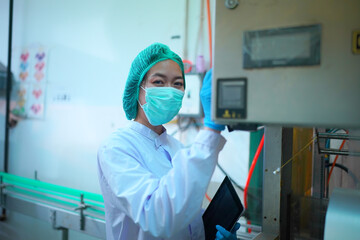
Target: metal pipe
pixel 338 136
pixel 82 217
pixel 8 89
pixel 339 152
pixel 65 233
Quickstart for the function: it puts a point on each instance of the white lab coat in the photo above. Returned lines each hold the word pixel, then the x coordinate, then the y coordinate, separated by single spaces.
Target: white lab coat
pixel 153 188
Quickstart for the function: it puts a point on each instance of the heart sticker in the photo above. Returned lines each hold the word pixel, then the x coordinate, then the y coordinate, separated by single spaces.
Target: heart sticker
pixel 24 65
pixel 21 103
pixel 39 66
pixel 37 93
pixel 22 92
pixel 38 76
pixel 24 56
pixel 23 75
pixel 36 108
pixel 40 56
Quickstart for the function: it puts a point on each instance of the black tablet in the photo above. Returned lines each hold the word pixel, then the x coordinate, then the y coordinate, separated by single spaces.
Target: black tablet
pixel 224 210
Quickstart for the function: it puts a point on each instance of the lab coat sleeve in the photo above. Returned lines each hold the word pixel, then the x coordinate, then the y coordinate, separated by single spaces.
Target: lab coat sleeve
pixel 162 206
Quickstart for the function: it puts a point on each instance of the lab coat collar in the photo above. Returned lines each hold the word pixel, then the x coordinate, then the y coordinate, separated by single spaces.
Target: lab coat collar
pixel 159 140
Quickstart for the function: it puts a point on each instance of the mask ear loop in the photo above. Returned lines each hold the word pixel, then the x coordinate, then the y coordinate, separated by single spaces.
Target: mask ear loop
pixel 143 82
pixel 138 98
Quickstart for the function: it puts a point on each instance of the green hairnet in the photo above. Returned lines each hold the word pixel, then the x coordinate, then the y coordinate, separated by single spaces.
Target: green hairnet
pixel 147 58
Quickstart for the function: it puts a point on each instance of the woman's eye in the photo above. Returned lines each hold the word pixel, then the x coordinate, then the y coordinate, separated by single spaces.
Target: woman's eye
pixel 158 82
pixel 179 84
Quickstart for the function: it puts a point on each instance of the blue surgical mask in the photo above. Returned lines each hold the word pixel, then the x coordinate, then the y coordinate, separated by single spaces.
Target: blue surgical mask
pixel 162 104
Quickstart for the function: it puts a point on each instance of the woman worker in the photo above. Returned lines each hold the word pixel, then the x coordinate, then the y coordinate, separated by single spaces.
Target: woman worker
pixel 152 186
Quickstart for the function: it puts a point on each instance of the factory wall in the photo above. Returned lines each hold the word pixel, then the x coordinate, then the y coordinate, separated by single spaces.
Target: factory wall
pixel 90 46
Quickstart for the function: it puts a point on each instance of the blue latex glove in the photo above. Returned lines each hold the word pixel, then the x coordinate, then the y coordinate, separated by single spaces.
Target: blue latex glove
pixel 205 97
pixel 225 234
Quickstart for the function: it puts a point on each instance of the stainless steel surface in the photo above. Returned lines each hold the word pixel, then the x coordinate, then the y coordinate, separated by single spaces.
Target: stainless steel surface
pixel 323 95
pixel 343 215
pixel 271 182
pixel 246 236
pixel 307 218
pixel 57 217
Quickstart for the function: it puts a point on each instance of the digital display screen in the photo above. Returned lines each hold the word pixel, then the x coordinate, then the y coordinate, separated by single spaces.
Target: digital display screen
pixel 232 95
pixel 290 46
pixel 286 46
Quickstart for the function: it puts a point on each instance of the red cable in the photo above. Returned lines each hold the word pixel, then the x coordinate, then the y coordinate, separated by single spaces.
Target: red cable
pixel 209 26
pixel 333 165
pixel 253 164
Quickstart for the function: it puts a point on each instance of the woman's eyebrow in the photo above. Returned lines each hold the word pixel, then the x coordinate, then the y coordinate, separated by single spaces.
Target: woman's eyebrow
pixel 178 77
pixel 158 75
pixel 164 76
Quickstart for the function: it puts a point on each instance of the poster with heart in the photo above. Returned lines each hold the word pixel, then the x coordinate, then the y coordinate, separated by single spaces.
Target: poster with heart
pixel 35 102
pixel 31 82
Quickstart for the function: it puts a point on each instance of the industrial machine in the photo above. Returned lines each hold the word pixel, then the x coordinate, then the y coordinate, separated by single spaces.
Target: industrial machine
pixel 283 63
pixel 293 67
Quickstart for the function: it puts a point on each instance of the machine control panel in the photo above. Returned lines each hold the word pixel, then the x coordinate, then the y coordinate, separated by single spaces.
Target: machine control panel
pixel 231 98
